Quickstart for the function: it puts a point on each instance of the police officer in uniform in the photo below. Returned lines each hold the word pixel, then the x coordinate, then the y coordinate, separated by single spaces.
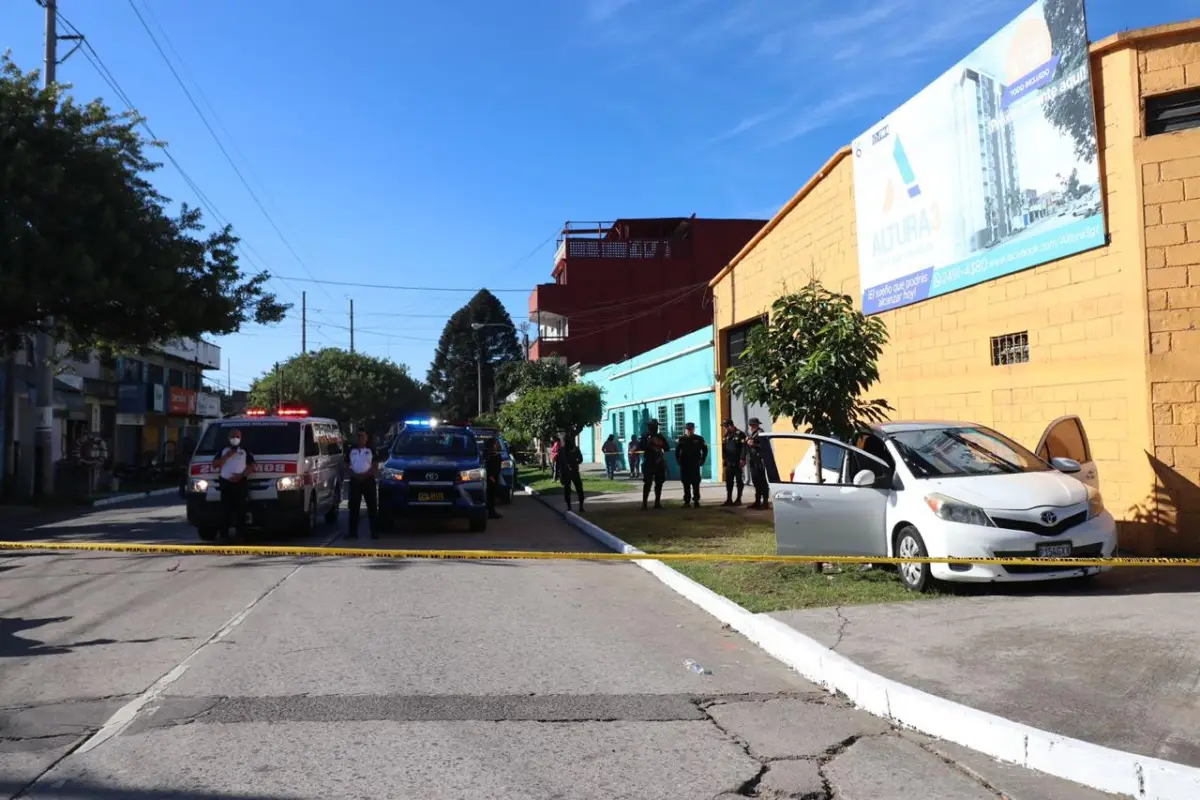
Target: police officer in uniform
pixel 691 451
pixel 235 464
pixel 733 457
pixel 654 463
pixel 569 459
pixel 756 454
pixel 361 460
pixel 492 459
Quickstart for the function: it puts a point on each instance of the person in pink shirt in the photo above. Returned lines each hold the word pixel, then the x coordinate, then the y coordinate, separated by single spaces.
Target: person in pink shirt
pixel 555 447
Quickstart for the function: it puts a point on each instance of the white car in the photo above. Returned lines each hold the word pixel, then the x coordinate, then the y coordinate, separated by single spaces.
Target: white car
pixel 944 490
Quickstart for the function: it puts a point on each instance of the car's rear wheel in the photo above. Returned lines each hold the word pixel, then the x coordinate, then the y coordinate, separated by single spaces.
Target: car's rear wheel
pixel 478 524
pixel 915 575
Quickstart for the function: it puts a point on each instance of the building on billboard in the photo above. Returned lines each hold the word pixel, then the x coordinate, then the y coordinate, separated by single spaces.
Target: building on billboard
pixel 1077 331
pixel 621 288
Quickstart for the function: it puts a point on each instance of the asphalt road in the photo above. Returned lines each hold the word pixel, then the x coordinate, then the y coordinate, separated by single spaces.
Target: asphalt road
pixel 139 676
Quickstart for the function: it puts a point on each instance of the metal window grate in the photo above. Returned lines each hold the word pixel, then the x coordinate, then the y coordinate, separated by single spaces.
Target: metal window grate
pixel 661 416
pixel 1010 348
pixel 679 419
pixel 621 425
pixel 1167 113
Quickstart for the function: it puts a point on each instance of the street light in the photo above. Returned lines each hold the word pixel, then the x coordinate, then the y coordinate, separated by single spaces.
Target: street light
pixel 478 326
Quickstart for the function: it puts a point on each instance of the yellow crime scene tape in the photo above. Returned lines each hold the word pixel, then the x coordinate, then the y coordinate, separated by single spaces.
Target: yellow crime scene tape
pixel 517 555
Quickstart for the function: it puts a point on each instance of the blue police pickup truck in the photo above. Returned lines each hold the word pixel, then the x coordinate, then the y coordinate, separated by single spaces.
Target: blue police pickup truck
pixel 433 469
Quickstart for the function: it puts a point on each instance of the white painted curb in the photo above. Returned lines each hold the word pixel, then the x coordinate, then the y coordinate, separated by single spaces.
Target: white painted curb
pixel 125 498
pixel 1103 768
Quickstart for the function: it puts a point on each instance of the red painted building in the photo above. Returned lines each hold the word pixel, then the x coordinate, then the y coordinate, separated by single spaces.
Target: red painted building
pixel 621 288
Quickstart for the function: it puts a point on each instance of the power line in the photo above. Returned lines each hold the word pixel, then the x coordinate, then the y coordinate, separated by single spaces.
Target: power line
pixel 253 195
pixel 400 288
pixel 93 57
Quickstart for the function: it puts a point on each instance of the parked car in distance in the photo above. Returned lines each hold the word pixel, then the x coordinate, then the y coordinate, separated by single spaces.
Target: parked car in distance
pixel 944 490
pixel 433 469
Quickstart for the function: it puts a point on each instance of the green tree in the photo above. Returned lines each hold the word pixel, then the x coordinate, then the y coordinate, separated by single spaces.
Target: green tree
pixel 352 388
pixel 1073 112
pixel 812 361
pixel 542 412
pixel 522 376
pixel 85 237
pixel 477 339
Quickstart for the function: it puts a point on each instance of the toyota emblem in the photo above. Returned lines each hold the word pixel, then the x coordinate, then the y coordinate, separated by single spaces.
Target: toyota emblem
pixel 1049 518
pixel 433 476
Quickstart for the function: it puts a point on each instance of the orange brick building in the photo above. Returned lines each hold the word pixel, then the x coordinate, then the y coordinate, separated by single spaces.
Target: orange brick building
pixel 1113 334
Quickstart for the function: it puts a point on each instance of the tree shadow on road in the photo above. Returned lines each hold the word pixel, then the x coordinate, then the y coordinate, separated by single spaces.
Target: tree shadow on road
pixel 13 645
pixel 93 791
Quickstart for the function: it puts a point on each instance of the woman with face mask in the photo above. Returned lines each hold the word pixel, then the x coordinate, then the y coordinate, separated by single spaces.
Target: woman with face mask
pixel 235 464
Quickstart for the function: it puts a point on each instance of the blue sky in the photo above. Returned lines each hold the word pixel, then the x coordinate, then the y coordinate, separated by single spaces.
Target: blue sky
pixel 439 144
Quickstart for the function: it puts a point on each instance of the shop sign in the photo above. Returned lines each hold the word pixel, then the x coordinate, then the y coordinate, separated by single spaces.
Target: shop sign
pixel 136 420
pixel 208 405
pixel 181 402
pixel 131 398
pixel 158 398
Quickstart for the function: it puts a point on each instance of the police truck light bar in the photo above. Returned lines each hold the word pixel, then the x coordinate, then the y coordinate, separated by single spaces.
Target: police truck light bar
pixel 256 412
pixel 421 423
pixel 293 411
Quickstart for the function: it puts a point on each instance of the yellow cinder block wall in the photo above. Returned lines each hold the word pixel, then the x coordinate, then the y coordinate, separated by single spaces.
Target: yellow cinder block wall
pixel 1090 317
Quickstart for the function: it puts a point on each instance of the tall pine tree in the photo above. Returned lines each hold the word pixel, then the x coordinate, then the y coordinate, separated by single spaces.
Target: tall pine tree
pixel 464 351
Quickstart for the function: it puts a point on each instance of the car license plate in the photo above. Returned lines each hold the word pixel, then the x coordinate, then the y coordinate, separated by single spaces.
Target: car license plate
pixel 430 497
pixel 1056 550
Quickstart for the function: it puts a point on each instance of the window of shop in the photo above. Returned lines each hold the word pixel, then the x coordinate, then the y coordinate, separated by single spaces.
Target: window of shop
pixel 740 410
pixel 131 370
pixel 175 378
pixel 1177 111
pixel 156 373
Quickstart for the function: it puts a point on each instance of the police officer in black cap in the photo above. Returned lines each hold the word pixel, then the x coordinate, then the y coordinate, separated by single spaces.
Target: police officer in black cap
pixel 756 455
pixel 733 458
pixel 654 463
pixel 691 451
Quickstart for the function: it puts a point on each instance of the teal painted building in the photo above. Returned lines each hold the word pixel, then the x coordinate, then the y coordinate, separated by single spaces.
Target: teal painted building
pixel 672 383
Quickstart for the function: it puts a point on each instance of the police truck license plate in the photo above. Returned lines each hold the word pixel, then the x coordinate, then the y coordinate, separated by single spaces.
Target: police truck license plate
pixel 430 497
pixel 1056 550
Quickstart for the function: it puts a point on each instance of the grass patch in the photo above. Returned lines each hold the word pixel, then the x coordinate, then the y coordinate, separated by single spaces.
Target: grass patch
pixel 759 587
pixel 540 481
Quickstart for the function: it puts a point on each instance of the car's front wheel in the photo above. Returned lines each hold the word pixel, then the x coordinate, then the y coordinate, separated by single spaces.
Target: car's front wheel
pixel 478 524
pixel 915 574
pixel 207 534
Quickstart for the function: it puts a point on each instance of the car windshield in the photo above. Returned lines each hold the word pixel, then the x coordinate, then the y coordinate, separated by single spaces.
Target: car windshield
pixel 962 452
pixel 258 438
pixel 434 442
pixel 485 440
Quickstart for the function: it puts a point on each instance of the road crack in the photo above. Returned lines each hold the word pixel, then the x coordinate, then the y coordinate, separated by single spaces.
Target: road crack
pixel 844 622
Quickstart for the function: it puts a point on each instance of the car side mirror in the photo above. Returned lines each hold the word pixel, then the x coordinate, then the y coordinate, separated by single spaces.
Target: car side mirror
pixel 864 477
pixel 1067 465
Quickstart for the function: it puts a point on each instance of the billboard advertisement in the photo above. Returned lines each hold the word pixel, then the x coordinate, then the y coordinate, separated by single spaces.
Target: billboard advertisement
pixel 990 170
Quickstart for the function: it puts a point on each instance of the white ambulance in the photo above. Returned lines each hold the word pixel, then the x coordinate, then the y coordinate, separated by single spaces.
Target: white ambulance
pixel 295 481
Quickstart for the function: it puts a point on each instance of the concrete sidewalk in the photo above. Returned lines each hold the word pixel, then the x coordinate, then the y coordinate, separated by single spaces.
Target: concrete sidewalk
pixel 1115 662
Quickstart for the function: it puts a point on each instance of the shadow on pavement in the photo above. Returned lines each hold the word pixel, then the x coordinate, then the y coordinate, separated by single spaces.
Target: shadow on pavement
pixel 75 788
pixel 1118 581
pixel 13 645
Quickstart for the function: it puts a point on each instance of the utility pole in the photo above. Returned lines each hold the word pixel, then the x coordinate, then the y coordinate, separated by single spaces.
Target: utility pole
pixel 479 381
pixel 229 376
pixel 43 443
pixel 304 323
pixel 352 325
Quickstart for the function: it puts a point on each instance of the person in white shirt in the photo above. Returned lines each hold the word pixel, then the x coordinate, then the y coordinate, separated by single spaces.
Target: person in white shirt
pixel 235 463
pixel 361 460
